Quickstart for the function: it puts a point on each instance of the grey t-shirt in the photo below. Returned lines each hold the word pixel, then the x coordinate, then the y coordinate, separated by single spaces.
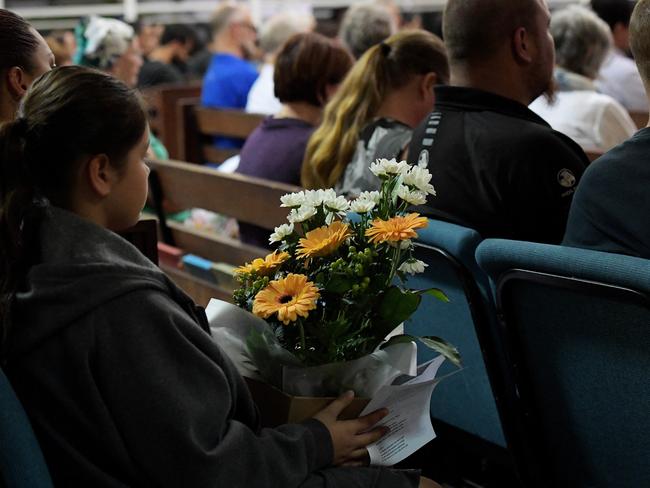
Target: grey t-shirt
pixel 383 138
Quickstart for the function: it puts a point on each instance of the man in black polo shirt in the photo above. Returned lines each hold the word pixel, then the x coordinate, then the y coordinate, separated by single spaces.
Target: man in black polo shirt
pixel 497 167
pixel 611 210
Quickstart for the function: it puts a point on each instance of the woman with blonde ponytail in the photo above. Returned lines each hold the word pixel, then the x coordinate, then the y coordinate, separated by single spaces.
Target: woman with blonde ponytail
pixel 387 93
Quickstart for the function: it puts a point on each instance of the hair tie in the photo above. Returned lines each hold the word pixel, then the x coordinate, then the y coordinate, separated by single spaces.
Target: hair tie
pixel 385 49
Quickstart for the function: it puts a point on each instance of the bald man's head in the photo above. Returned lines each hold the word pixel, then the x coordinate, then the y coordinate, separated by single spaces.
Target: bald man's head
pixel 476 29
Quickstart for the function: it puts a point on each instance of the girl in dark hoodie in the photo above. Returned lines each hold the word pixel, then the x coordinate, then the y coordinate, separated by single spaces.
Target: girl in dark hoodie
pixel 112 362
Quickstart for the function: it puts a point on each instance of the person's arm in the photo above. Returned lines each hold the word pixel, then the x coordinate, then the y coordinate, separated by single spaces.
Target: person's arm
pixel 183 412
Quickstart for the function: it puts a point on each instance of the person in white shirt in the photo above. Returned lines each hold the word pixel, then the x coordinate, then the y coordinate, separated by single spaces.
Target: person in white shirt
pixel 261 98
pixel 619 76
pixel 597 122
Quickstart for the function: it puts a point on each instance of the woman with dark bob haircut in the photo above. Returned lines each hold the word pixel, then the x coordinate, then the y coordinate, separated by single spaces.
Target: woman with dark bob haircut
pixel 308 70
pixel 115 365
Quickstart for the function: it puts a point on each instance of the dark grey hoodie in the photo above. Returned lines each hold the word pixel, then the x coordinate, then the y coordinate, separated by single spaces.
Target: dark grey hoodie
pixel 125 387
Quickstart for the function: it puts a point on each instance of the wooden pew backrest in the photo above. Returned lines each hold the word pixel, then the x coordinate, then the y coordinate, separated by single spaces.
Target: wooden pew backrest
pixel 640 119
pixel 164 118
pixel 251 200
pixel 201 125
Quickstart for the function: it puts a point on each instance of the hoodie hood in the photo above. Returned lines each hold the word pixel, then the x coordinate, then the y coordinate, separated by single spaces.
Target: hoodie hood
pixel 82 266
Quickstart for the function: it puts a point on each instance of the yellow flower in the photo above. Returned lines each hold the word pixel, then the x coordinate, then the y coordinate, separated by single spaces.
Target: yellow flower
pixel 264 266
pixel 290 297
pixel 396 229
pixel 324 240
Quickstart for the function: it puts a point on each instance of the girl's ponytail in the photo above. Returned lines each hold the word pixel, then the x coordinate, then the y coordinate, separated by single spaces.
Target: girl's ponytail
pixel 20 213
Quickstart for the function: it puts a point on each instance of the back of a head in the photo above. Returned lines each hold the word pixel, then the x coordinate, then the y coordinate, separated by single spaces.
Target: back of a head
pixel 223 16
pixel 364 25
pixel 613 11
pixel 181 33
pixel 640 38
pixel 68 116
pixel 306 65
pixel 101 41
pixel 582 40
pixel 475 30
pixel 280 28
pixel 18 40
pixel 384 68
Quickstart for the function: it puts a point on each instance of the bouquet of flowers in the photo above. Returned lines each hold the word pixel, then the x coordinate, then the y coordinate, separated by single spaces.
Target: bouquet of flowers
pixel 334 289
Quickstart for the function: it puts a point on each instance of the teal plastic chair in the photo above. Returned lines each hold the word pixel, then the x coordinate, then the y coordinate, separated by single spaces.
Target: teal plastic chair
pixel 575 324
pixel 464 401
pixel 21 460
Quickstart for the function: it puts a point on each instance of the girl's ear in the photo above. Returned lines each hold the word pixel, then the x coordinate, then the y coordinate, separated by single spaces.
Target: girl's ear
pixel 17 81
pixel 100 175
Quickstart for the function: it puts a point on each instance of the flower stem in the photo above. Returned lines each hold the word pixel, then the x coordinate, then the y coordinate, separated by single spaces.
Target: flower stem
pixel 303 342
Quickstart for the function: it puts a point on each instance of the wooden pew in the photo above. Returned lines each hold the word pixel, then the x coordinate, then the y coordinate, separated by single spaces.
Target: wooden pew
pixel 251 200
pixel 164 118
pixel 200 125
pixel 640 119
pixel 593 155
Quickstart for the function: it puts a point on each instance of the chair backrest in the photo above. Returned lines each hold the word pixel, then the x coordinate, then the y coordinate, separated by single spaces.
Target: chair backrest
pixel 466 400
pixel 576 328
pixel 21 460
pixel 247 199
pixel 201 125
pixel 164 116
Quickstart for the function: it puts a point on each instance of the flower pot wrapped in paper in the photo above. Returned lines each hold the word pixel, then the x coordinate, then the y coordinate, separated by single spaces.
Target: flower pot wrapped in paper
pixel 331 293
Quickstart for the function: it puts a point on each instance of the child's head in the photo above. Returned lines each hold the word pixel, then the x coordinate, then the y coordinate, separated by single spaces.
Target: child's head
pixel 73 142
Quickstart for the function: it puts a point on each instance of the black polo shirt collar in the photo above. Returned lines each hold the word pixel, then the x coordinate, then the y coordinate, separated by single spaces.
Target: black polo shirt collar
pixel 465 99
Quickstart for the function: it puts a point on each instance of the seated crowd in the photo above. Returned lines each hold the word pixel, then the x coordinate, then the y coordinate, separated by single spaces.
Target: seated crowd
pixel 125 386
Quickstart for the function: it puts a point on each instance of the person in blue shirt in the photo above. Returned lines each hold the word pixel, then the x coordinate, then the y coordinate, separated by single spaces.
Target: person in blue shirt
pixel 230 76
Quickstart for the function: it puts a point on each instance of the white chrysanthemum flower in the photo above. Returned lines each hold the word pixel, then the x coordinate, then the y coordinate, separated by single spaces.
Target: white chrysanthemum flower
pixel 419 178
pixel 297 215
pixel 372 196
pixel 337 205
pixel 405 244
pixel 361 205
pixel 330 217
pixel 281 232
pixel 315 198
pixel 412 266
pixel 414 197
pixel 388 167
pixel 293 200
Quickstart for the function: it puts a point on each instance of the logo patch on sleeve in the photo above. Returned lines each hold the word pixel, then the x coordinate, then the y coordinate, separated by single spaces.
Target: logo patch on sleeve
pixel 566 178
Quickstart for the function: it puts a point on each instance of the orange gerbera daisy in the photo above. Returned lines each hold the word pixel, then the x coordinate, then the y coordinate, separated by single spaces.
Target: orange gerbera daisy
pixel 290 297
pixel 396 229
pixel 264 266
pixel 324 240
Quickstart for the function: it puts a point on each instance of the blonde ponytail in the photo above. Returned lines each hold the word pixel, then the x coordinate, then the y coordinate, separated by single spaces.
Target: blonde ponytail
pixel 383 68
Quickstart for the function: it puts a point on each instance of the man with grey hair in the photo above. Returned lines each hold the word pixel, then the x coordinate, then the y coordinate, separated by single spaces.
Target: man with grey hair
pixel 279 28
pixel 497 167
pixel 364 25
pixel 595 121
pixel 230 76
pixel 611 207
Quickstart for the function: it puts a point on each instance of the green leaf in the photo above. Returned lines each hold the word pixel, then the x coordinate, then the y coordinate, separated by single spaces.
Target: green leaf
pixel 339 283
pixel 398 305
pixel 398 339
pixel 435 292
pixel 443 347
